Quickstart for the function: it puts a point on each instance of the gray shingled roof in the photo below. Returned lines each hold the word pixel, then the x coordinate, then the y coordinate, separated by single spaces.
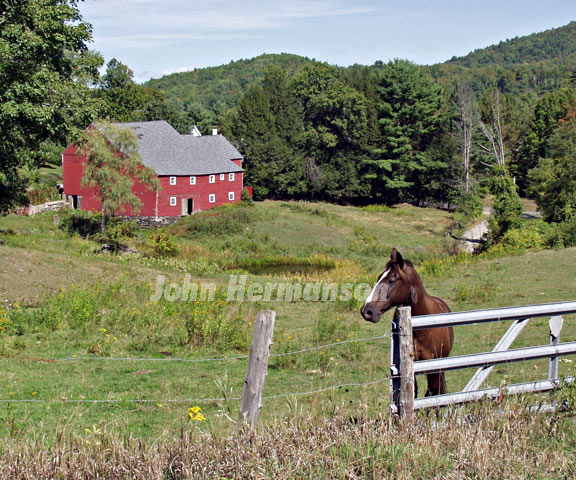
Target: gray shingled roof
pixel 170 153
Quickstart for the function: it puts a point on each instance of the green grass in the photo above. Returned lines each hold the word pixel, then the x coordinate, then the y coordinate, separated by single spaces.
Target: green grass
pixel 104 312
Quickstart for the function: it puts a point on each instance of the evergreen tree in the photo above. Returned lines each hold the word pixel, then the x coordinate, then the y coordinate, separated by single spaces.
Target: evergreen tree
pixel 267 127
pixel 411 121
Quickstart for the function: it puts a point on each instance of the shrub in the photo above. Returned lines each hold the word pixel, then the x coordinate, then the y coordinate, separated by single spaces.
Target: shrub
pixel 507 207
pixel 162 243
pixel 562 234
pixel 246 198
pixel 40 194
pixel 524 238
pixel 216 324
pixel 468 204
pixel 80 222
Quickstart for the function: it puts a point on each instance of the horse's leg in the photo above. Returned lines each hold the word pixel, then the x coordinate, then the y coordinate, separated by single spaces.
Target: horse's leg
pixel 436 384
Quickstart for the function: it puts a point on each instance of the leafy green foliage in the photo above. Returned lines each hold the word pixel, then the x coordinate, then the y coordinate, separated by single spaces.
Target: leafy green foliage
pixel 163 244
pixel 527 237
pixel 205 88
pixel 554 43
pixel 553 181
pixel 126 101
pixel 334 126
pixel 549 113
pixel 267 125
pixel 507 207
pixel 113 166
pixel 468 204
pixel 42 45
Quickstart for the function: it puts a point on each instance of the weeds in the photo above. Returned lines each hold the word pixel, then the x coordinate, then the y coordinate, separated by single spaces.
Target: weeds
pixel 449 447
pixel 225 220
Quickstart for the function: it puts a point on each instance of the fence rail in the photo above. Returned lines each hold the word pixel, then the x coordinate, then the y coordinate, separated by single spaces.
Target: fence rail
pixel 492 315
pixel 493 358
pixel 403 367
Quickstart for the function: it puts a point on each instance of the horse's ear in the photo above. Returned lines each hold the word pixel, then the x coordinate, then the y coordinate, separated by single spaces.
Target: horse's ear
pixel 397 258
pixel 413 295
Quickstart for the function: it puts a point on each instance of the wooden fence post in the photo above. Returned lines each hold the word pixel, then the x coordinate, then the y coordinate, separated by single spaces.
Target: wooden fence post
pixel 402 363
pixel 257 367
pixel 555 323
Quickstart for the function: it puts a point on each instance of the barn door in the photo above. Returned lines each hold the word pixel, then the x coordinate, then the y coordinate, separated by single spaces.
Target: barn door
pixel 187 206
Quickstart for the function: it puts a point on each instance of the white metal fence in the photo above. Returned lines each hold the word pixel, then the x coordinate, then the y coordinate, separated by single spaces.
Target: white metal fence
pixel 403 367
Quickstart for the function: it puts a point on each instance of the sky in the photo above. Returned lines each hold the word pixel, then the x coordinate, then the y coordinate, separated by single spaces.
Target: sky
pixel 158 37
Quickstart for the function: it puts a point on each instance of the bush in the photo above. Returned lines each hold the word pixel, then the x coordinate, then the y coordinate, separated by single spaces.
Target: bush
pixel 524 238
pixel 562 234
pixel 468 204
pixel 507 208
pixel 162 243
pixel 246 198
pixel 40 194
pixel 80 222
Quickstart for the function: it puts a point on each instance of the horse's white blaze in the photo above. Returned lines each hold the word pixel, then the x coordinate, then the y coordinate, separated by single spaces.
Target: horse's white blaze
pixel 370 297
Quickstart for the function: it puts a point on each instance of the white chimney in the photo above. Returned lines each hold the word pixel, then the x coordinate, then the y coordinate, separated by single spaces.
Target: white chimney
pixel 214 131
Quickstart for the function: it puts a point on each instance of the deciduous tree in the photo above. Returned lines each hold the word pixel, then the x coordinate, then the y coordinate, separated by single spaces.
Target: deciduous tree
pixel 40 44
pixel 113 166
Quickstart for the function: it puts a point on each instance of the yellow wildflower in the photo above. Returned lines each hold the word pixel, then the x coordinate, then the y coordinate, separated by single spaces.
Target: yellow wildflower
pixel 194 414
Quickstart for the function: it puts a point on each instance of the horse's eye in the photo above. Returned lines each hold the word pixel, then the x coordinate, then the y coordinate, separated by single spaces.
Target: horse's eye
pixel 392 280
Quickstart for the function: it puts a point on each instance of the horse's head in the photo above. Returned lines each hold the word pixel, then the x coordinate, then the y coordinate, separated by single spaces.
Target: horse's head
pixel 393 288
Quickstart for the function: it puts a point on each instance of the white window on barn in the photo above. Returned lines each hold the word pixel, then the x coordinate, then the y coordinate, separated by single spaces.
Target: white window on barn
pixel 231 196
pixel 172 180
pixel 172 201
pixel 231 177
pixel 192 180
pixel 221 176
pixel 212 178
pixel 212 198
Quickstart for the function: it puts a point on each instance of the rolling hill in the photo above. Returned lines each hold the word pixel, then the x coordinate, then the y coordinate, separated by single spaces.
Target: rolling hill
pixel 223 85
pixel 554 44
pixel 534 64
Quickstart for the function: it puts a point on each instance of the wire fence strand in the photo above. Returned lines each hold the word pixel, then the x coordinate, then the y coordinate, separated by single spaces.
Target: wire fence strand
pixel 200 360
pixel 196 400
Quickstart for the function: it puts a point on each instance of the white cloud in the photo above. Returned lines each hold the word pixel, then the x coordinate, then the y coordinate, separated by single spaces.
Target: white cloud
pixel 176 16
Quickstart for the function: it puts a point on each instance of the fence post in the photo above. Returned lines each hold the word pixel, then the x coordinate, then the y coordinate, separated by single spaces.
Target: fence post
pixel 555 323
pixel 402 363
pixel 257 367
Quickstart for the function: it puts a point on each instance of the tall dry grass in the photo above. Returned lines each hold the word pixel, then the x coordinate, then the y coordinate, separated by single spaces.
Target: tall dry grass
pixel 481 444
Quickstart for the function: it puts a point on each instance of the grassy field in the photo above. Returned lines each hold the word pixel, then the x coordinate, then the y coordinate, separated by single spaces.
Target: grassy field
pixel 71 318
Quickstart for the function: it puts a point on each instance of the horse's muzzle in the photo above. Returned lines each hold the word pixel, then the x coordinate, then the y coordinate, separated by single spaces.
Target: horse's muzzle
pixel 370 314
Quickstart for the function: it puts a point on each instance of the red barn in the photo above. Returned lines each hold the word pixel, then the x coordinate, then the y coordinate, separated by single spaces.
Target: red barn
pixel 196 172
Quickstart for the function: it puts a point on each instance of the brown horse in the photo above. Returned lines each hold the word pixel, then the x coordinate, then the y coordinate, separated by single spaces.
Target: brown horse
pixel 401 286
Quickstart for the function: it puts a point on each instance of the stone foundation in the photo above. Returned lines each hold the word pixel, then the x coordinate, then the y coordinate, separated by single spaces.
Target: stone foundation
pixel 149 222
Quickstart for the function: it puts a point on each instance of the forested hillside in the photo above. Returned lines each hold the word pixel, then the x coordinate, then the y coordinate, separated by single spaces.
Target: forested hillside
pixel 221 87
pixel 557 43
